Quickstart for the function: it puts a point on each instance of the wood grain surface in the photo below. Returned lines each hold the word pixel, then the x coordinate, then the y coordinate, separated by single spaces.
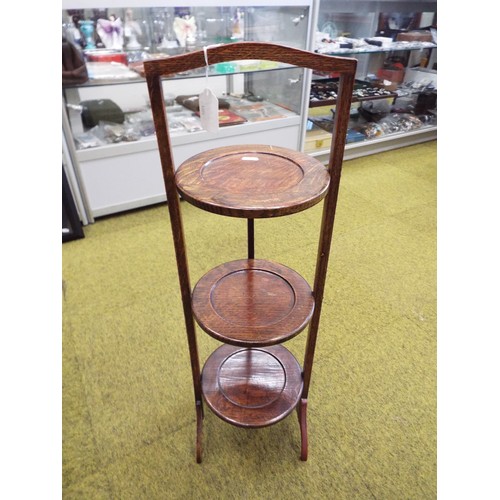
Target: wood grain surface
pixel 252 181
pixel 252 302
pixel 252 387
pixel 248 50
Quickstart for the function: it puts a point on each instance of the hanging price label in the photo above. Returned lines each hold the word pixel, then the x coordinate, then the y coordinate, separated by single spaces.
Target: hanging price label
pixel 209 110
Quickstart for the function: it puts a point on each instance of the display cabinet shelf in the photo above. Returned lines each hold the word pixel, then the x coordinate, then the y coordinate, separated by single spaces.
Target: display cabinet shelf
pixel 403 64
pixel 323 140
pixel 393 47
pixel 139 76
pixel 324 92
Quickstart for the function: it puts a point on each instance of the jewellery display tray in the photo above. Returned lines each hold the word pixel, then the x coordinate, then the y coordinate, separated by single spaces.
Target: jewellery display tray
pixel 324 92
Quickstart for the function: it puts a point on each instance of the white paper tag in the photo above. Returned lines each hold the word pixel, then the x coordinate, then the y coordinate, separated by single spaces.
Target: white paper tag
pixel 209 110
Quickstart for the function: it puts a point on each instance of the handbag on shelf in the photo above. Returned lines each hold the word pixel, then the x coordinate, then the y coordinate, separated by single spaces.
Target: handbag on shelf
pixel 96 110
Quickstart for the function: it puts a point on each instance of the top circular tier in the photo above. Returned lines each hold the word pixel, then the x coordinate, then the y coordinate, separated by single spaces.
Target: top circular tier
pixel 252 181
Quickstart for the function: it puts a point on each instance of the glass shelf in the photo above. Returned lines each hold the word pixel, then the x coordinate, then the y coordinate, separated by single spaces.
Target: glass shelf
pixel 129 77
pixel 394 47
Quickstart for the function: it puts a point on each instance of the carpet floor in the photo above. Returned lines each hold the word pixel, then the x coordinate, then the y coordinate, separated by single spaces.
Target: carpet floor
pixel 128 417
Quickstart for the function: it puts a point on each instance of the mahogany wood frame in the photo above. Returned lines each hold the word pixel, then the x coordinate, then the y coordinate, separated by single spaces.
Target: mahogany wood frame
pixel 155 70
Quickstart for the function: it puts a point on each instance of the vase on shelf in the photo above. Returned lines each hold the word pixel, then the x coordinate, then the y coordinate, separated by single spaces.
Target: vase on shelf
pixel 87 30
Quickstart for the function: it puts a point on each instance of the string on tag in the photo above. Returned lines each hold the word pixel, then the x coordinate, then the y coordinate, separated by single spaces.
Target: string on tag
pixel 205 53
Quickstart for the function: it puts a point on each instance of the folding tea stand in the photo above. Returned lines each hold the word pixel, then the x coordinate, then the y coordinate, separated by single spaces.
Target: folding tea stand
pixel 252 305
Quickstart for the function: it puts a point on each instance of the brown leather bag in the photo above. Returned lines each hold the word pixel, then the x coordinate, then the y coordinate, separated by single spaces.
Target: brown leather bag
pixel 74 69
pixel 192 102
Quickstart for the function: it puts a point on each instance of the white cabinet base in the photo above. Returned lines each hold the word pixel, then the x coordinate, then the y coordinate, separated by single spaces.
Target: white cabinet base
pixel 128 175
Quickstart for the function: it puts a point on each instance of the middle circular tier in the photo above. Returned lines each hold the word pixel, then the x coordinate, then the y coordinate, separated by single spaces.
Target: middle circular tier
pixel 252 302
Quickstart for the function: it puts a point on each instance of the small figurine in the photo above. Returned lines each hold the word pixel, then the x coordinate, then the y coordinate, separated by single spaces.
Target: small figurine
pixel 132 30
pixel 111 32
pixel 165 36
pixel 237 25
pixel 185 30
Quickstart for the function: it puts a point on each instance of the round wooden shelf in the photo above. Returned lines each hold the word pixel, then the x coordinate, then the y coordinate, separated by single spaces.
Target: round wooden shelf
pixel 252 181
pixel 252 387
pixel 252 303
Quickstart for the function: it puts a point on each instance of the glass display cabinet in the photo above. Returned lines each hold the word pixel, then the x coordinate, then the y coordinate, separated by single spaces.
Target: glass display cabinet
pixel 107 118
pixel 395 95
pixel 107 123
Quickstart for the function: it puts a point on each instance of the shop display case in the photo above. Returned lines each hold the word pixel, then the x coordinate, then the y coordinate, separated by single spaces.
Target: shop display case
pixel 106 112
pixel 107 123
pixel 395 96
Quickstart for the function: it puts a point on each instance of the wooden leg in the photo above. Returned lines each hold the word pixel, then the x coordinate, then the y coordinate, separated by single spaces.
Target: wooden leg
pixel 199 430
pixel 302 414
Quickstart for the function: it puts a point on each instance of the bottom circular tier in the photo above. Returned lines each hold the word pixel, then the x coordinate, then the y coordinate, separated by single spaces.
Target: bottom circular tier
pixel 252 387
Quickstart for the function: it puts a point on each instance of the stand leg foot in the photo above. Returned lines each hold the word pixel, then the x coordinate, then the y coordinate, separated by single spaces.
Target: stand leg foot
pixel 199 430
pixel 302 414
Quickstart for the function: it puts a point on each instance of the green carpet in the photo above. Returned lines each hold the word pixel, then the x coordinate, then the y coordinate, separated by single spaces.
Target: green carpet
pixel 128 407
